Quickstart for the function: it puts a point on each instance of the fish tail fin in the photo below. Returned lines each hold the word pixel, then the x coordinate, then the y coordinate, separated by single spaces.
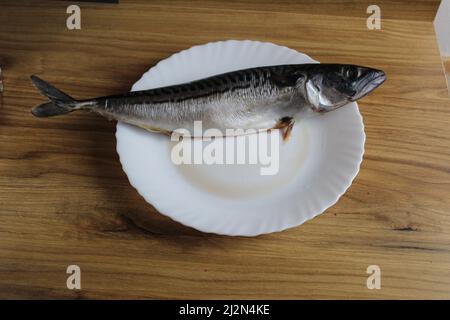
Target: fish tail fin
pixel 60 103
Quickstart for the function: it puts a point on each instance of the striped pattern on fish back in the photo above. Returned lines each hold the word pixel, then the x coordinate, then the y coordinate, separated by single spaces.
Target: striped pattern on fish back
pixel 228 82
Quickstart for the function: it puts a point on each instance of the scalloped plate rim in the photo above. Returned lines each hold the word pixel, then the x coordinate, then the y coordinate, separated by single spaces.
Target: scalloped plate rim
pixel 256 231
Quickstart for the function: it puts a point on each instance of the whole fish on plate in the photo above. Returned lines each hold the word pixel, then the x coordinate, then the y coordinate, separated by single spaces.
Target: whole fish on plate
pixel 260 98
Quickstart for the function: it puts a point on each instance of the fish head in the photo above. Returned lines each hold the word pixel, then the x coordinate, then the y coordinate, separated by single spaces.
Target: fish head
pixel 329 87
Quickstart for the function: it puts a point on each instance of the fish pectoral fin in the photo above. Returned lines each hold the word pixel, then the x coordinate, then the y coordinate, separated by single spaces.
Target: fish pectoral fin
pixel 287 131
pixel 285 124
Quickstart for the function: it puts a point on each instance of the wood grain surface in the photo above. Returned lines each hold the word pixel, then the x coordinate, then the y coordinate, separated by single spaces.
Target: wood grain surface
pixel 64 198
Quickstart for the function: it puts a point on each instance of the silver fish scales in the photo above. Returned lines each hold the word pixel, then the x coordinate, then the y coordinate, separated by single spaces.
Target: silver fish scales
pixel 260 98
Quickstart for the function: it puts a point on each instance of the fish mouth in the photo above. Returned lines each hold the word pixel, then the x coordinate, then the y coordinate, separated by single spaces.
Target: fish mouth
pixel 369 83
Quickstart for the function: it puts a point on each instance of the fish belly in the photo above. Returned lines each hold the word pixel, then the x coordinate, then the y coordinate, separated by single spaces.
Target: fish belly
pixel 255 109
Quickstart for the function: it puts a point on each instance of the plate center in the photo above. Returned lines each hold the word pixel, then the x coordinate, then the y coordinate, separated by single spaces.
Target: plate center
pixel 275 167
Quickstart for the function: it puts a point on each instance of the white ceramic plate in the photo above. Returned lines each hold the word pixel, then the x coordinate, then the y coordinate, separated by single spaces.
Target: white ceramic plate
pixel 317 164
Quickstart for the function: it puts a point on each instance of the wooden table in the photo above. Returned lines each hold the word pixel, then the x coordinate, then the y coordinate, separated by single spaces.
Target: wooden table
pixel 65 200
